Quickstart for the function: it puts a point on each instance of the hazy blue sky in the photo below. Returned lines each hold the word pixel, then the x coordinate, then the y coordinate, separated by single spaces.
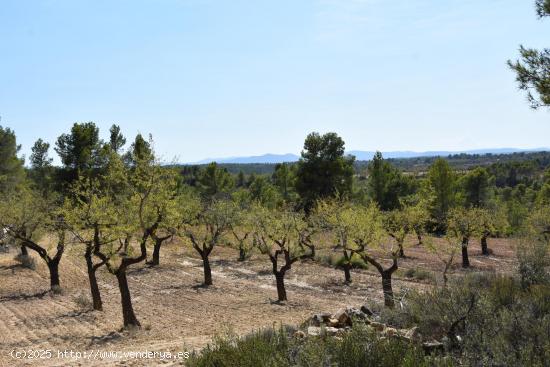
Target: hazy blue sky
pixel 225 78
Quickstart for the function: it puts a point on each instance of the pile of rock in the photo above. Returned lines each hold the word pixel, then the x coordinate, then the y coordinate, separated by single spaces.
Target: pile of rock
pixel 339 323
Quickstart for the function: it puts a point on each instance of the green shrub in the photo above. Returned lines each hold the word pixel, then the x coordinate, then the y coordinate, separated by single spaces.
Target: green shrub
pixel 419 274
pixel 360 347
pixel 534 261
pixel 355 261
pixel 338 260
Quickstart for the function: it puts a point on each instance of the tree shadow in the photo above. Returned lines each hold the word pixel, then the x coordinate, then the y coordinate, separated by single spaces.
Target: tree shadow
pixel 102 339
pixel 11 267
pixel 17 297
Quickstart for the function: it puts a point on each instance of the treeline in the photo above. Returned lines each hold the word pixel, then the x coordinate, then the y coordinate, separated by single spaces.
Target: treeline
pixel 120 205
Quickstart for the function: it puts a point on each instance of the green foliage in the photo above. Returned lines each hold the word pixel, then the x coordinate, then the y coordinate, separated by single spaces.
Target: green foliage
pixel 214 181
pixel 464 224
pixel 263 191
pixel 533 71
pixel 11 166
pixel 532 74
pixel 386 184
pixel 360 347
pixel 284 179
pixel 41 165
pixel 116 139
pixel 79 150
pixel 534 249
pixel 543 8
pixel 323 170
pixel 419 274
pixel 140 152
pixel 476 187
pixel 441 190
pixel 485 320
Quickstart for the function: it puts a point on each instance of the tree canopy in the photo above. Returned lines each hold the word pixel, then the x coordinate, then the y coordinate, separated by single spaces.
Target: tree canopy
pixel 323 169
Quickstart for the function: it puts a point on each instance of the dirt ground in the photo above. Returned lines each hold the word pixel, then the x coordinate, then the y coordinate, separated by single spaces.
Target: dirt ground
pixel 177 314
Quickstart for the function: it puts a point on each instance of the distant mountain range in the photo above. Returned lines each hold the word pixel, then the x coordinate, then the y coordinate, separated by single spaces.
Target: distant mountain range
pixel 361 155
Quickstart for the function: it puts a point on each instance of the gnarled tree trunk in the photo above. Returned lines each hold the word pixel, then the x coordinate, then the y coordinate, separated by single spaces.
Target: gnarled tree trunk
pixel 386 275
pixel 207 269
pixel 387 288
pixel 347 267
pixel 129 317
pixel 94 287
pixel 465 258
pixel 156 253
pixel 484 246
pixel 53 267
pixel 281 291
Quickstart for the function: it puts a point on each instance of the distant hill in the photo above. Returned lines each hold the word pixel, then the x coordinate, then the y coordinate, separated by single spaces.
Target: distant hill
pixel 361 155
pixel 266 158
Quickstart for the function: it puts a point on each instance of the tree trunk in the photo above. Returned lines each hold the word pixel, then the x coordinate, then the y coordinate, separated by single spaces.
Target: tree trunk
pixel 242 253
pixel 484 246
pixel 207 270
pixel 156 253
pixel 128 314
pixel 94 288
pixel 465 259
pixel 347 273
pixel 24 250
pixel 281 291
pixel 387 288
pixel 53 266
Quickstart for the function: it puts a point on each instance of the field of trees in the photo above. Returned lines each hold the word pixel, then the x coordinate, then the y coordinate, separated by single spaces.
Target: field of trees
pixel 116 249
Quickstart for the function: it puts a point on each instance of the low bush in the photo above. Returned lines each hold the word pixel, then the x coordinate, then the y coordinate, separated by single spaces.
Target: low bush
pixel 82 301
pixel 419 274
pixel 26 261
pixel 337 261
pixel 360 347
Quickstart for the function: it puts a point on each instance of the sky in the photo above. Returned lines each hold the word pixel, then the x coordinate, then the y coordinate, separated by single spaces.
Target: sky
pixel 220 78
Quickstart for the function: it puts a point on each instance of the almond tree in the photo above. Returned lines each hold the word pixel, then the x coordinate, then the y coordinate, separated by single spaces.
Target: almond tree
pixel 30 218
pixel 91 216
pixel 491 223
pixel 156 188
pixel 117 208
pixel 418 217
pixel 396 223
pixel 372 244
pixel 242 224
pixel 205 224
pixel 277 234
pixel 445 252
pixel 241 229
pixel 462 225
pixel 333 217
